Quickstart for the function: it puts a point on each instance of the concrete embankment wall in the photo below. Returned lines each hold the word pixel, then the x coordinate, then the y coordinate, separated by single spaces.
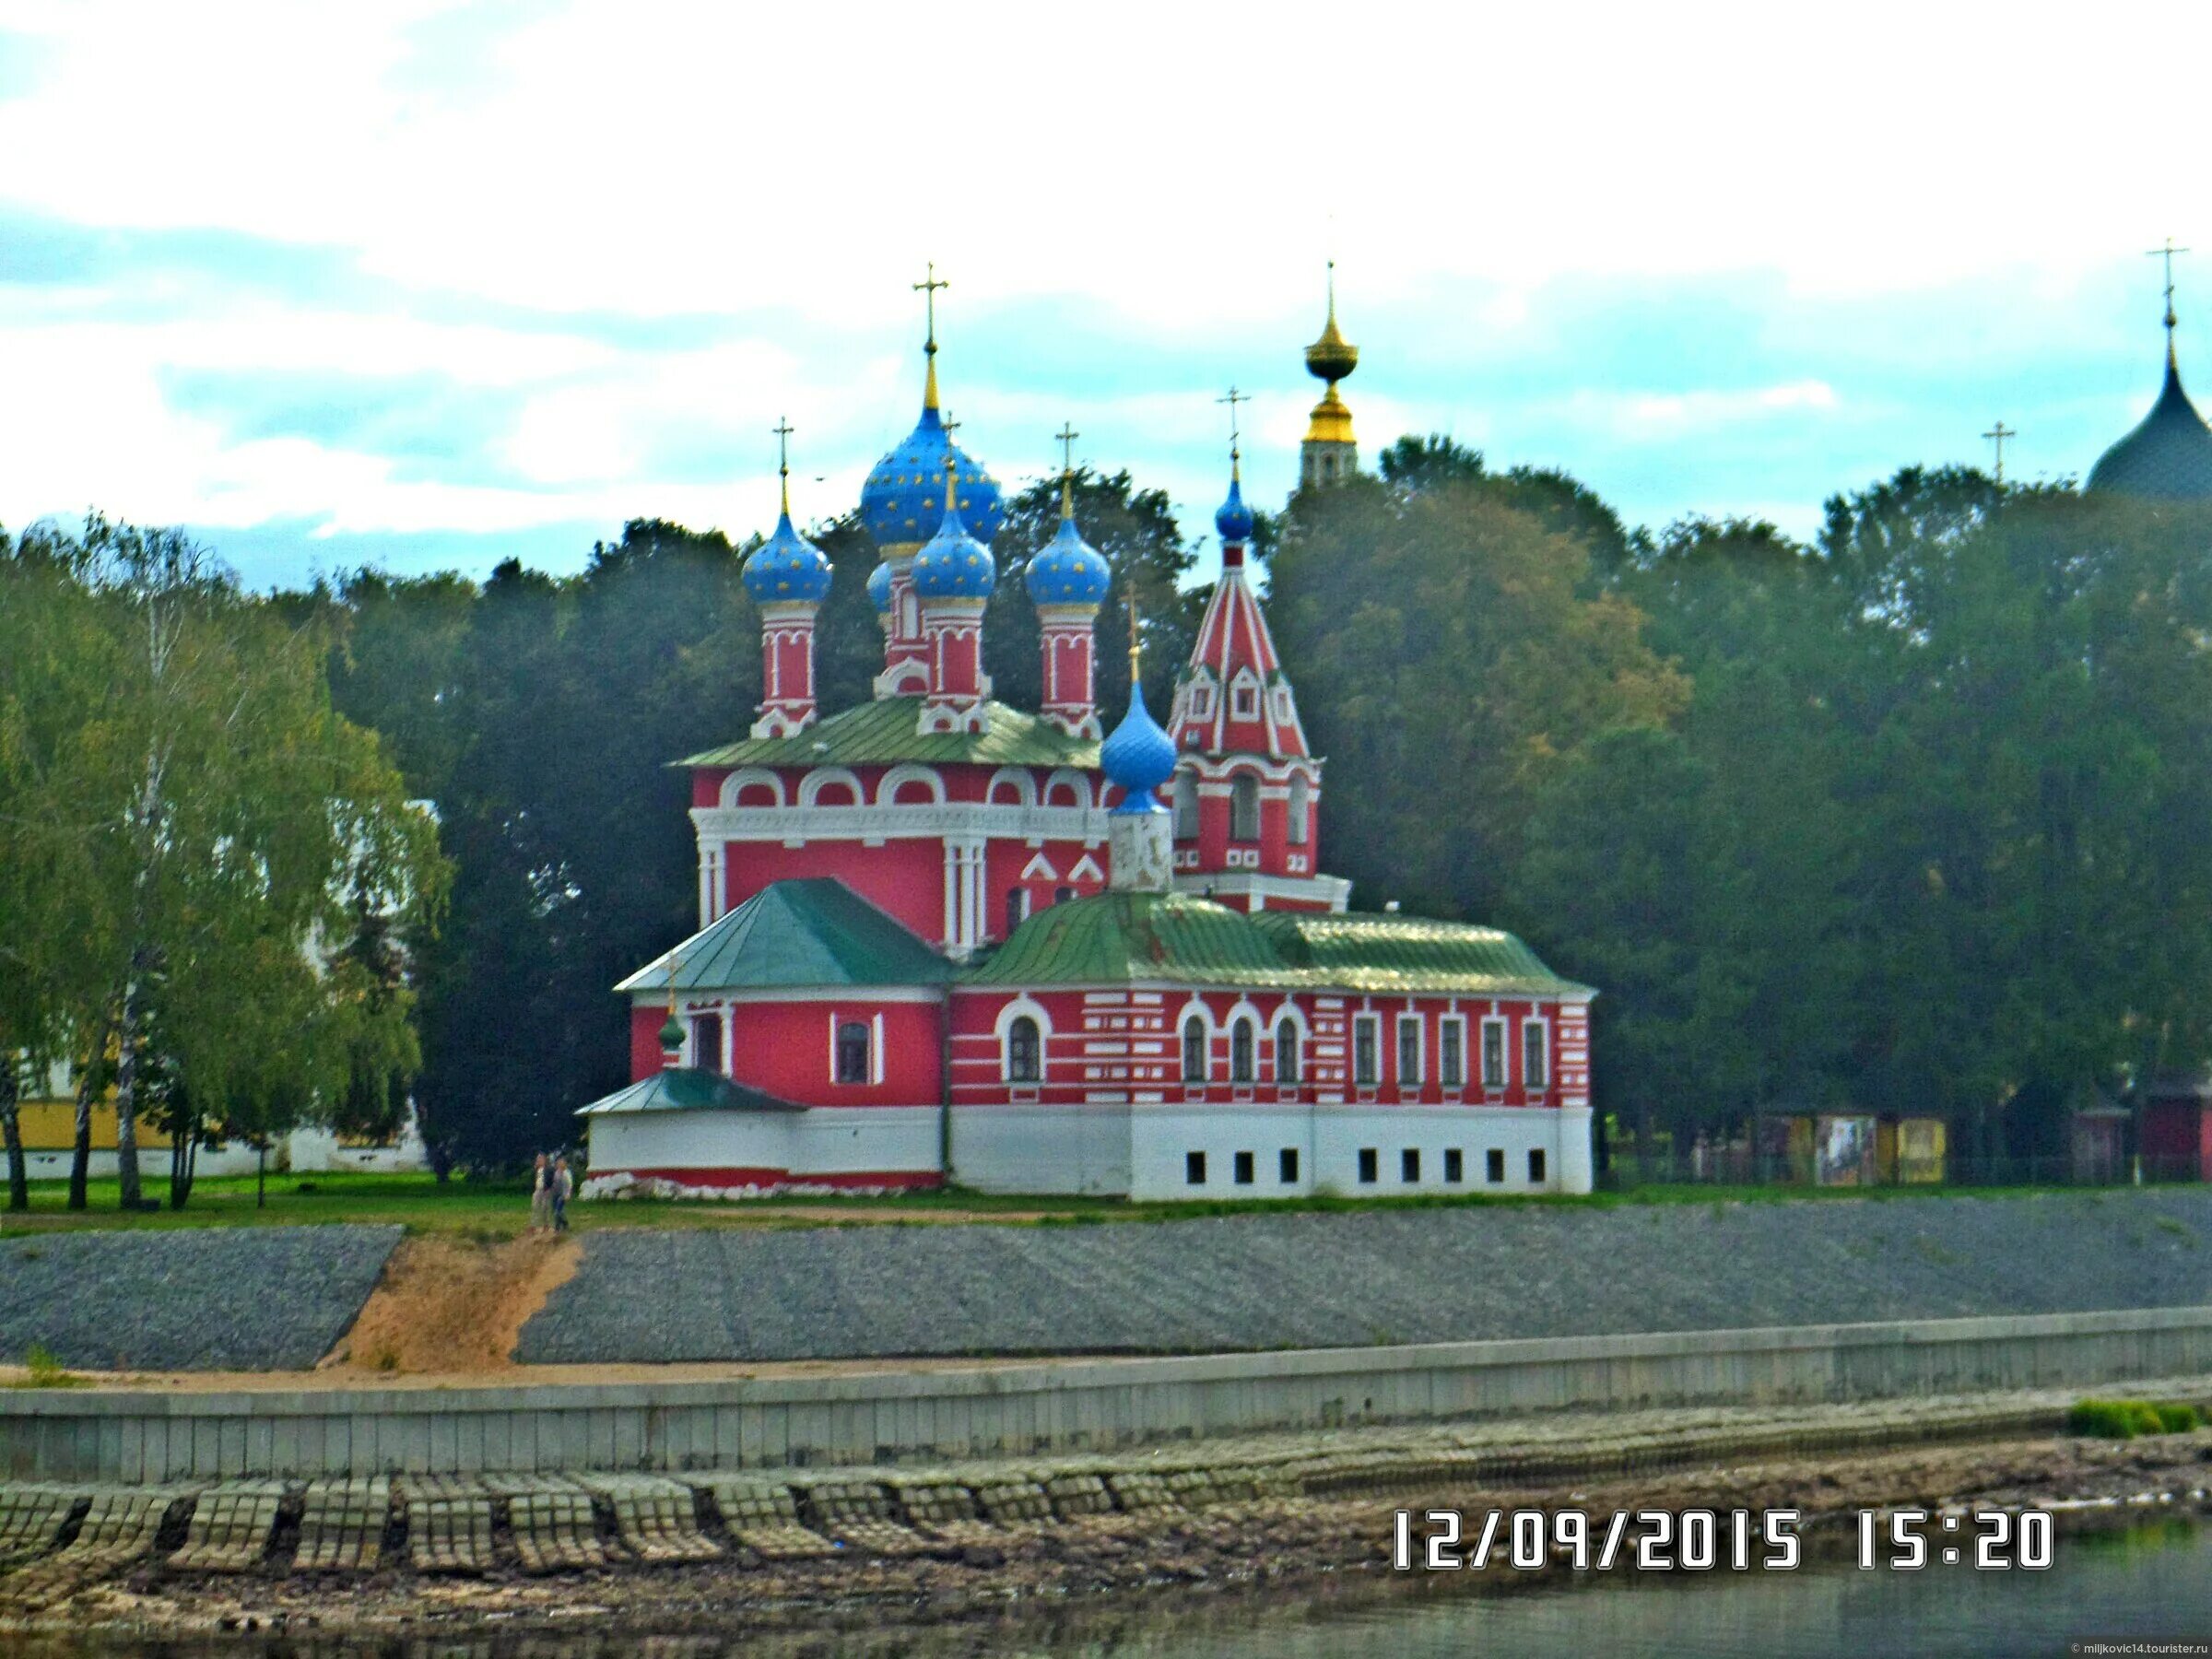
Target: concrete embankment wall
pixel 1060 1405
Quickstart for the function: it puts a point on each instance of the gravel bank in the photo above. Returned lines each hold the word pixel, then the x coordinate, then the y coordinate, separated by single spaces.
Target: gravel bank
pixel 214 1298
pixel 1345 1280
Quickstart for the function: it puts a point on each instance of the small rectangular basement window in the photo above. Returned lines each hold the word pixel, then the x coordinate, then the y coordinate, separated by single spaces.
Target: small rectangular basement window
pixel 1194 1169
pixel 1367 1165
pixel 1243 1169
pixel 1536 1165
pixel 1454 1164
pixel 1409 1164
pixel 1287 1162
pixel 1494 1164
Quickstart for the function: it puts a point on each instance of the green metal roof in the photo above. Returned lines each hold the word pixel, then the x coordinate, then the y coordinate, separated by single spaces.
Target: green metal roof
pixel 885 732
pixel 686 1088
pixel 1112 938
pixel 1120 939
pixel 811 931
pixel 1366 952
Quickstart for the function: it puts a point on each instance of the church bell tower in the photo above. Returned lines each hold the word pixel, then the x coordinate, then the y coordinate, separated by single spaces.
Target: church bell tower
pixel 1330 453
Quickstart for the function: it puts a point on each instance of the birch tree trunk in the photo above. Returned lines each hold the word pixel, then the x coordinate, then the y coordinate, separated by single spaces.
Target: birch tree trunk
pixel 126 1093
pixel 11 1133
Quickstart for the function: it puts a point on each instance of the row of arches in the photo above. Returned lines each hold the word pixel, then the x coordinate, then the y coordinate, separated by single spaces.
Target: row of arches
pixel 1023 1026
pixel 903 785
pixel 1289 1040
pixel 1244 807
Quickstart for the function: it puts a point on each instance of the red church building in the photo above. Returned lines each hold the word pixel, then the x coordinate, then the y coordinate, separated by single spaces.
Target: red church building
pixel 942 939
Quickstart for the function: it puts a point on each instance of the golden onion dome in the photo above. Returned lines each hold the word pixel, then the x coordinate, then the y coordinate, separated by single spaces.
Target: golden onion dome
pixel 1332 356
pixel 1332 420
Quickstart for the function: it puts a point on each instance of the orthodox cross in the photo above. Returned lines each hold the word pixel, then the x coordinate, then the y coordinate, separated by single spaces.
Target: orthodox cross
pixel 1067 436
pixel 2169 253
pixel 1997 435
pixel 784 430
pixel 928 288
pixel 1233 400
pixel 1135 650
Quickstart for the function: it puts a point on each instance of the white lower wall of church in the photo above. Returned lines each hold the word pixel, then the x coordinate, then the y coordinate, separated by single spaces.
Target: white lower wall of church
pixel 823 1141
pixel 1144 1151
pixel 1041 1148
pixel 853 1140
pixel 1329 1142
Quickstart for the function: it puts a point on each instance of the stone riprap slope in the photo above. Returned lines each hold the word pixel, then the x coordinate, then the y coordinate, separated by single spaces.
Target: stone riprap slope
pixel 214 1298
pixel 1255 1282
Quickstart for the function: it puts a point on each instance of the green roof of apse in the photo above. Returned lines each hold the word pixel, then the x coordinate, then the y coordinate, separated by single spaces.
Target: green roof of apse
pixel 684 1088
pixel 886 731
pixel 811 931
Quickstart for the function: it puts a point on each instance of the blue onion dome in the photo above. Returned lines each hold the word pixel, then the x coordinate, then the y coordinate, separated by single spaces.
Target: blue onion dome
pixel 1233 521
pixel 954 564
pixel 1138 756
pixel 787 567
pixel 2167 457
pixel 905 497
pixel 879 589
pixel 1068 570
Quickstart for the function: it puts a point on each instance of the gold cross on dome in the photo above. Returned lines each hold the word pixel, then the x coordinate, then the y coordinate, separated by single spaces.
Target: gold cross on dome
pixel 1233 400
pixel 928 286
pixel 784 430
pixel 2167 253
pixel 1067 436
pixel 1997 435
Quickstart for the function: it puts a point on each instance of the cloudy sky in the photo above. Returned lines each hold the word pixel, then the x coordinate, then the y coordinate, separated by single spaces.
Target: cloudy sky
pixel 426 285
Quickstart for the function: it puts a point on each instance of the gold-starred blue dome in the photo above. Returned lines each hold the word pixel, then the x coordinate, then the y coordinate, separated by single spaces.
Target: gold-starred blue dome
pixel 1068 570
pixel 787 567
pixel 879 588
pixel 903 499
pixel 953 564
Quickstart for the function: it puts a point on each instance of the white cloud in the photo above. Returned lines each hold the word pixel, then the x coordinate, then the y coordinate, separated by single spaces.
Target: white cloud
pixel 1180 170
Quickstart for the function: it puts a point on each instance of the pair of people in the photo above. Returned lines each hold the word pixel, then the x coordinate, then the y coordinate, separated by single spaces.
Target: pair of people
pixel 552 1184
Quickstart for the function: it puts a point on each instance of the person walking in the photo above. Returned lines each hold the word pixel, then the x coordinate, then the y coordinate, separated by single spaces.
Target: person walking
pixel 541 1196
pixel 564 1189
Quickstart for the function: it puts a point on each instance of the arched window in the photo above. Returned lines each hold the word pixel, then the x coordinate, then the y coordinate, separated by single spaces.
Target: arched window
pixel 1193 1050
pixel 1024 1050
pixel 1187 806
pixel 1285 1052
pixel 1300 806
pixel 1245 808
pixel 1018 908
pixel 1239 1052
pixel 852 1053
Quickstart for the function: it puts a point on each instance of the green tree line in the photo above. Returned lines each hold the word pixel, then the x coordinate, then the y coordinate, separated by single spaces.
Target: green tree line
pixel 1904 817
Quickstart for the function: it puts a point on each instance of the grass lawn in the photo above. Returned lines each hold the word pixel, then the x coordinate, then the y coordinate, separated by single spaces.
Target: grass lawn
pixel 500 1209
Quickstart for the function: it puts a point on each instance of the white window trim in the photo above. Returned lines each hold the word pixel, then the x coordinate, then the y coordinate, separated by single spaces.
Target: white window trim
pixel 1372 1024
pixel 1538 1022
pixel 1198 1010
pixel 1505 1059
pixel 1398 1050
pixel 1457 1022
pixel 1003 1030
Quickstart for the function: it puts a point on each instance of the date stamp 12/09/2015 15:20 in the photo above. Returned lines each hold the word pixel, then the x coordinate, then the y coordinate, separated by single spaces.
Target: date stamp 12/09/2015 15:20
pixel 1697 1540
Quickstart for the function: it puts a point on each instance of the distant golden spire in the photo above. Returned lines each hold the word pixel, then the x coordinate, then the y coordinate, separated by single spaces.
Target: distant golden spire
pixel 1332 356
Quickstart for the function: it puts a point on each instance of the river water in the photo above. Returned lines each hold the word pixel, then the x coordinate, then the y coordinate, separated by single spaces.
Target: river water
pixel 2145 1584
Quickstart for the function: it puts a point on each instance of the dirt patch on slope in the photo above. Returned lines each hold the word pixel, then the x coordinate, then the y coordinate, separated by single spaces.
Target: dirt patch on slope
pixel 455 1306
